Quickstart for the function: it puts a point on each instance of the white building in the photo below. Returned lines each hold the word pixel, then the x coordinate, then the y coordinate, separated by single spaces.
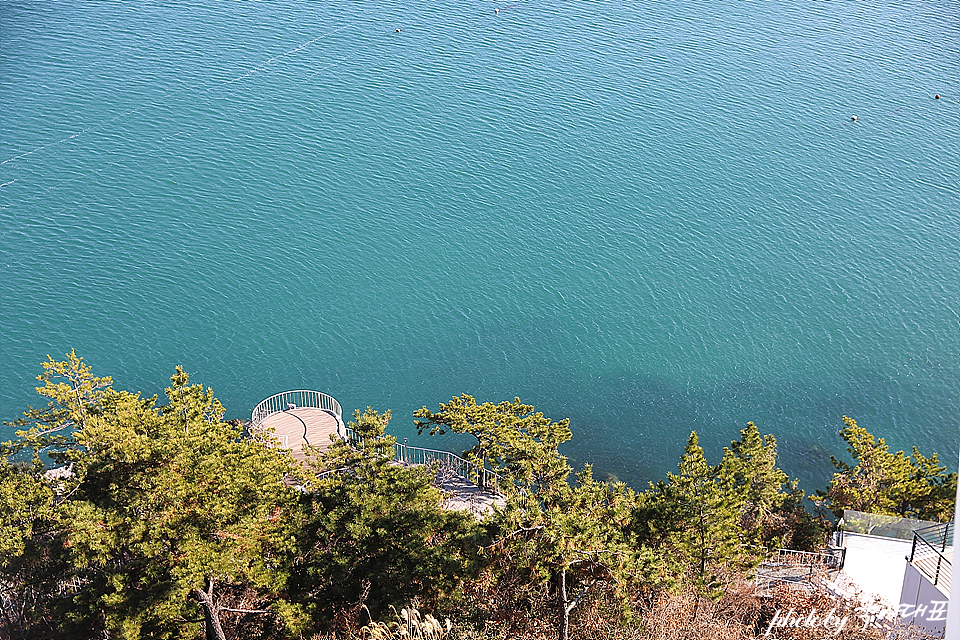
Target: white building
pixel 926 580
pixel 898 568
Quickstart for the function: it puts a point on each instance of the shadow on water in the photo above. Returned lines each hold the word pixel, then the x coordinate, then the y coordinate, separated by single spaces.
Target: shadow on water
pixel 636 428
pixel 634 425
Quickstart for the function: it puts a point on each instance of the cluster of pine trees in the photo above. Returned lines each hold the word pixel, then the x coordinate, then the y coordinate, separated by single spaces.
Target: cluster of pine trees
pixel 173 523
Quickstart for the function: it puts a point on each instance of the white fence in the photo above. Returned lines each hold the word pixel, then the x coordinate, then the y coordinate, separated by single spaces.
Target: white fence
pixel 483 478
pixel 797 569
pixel 447 463
pixel 299 399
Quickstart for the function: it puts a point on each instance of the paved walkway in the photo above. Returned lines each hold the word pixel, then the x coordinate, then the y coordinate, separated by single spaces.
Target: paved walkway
pixel 873 571
pixel 296 427
pixel 462 495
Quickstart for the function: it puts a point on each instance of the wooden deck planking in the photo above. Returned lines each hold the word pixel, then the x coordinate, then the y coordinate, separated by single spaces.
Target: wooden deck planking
pixel 293 423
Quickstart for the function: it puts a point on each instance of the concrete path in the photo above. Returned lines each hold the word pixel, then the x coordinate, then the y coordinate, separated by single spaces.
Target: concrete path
pixel 462 495
pixel 873 571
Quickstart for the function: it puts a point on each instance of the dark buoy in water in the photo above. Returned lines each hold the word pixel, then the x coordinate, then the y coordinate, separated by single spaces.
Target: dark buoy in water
pixel 399 30
pixel 936 97
pixel 854 118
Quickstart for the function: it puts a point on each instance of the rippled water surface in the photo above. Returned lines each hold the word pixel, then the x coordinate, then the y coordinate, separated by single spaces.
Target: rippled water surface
pixel 650 217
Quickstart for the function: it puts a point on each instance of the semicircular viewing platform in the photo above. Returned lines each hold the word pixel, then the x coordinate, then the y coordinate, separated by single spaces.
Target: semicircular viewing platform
pixel 298 418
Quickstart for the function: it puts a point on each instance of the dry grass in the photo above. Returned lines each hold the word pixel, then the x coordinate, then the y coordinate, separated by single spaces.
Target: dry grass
pixel 409 624
pixel 740 614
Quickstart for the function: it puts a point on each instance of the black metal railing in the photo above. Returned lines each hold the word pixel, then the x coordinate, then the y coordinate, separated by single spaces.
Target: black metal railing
pixel 929 553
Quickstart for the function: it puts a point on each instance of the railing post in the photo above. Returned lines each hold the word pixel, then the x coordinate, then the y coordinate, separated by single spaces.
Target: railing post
pixel 404 451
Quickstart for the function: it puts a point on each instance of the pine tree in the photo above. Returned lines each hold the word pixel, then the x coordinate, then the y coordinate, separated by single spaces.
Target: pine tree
pixel 771 507
pixel 554 535
pixel 707 514
pixel 165 513
pixel 888 483
pixel 749 471
pixel 571 539
pixel 26 518
pixel 518 442
pixel 373 534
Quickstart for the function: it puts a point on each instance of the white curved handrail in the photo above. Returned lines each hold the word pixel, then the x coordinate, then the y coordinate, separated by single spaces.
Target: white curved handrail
pixel 485 479
pixel 480 476
pixel 298 399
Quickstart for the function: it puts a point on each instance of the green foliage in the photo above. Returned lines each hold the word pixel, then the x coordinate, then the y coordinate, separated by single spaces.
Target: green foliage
pixel 27 516
pixel 771 508
pixel 793 527
pixel 167 522
pixel 714 521
pixel 889 483
pixel 371 440
pixel 705 509
pixel 749 471
pixel 74 394
pixel 25 502
pixel 373 533
pixel 571 537
pixel 167 508
pixel 552 536
pixel 518 442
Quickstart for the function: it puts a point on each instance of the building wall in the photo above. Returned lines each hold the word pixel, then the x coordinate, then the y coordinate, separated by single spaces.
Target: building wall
pixel 918 601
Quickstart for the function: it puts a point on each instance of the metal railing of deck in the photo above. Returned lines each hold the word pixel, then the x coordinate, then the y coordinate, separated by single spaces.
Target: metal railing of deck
pixel 299 399
pixel 830 559
pixel 928 553
pixel 403 453
pixel 446 461
pixel 483 478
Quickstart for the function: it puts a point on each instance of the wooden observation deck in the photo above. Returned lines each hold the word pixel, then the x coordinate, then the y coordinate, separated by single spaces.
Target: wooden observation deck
pixel 298 418
pixel 303 417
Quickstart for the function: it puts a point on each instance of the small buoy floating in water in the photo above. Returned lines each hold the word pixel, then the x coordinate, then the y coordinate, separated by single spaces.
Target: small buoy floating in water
pixel 399 30
pixel 936 97
pixel 498 13
pixel 854 118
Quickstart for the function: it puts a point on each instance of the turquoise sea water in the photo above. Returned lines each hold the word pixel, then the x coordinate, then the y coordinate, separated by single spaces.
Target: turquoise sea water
pixel 650 217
